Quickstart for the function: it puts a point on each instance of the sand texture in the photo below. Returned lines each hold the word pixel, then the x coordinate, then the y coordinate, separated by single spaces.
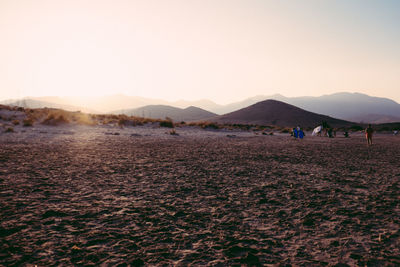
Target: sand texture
pixel 143 197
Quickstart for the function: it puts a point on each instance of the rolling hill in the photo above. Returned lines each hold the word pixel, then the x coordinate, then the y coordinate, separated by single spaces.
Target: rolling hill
pixel 34 103
pixel 162 111
pixel 273 112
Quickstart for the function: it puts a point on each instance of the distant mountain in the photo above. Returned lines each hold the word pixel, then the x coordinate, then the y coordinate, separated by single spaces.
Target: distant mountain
pixel 162 111
pixel 273 112
pixel 104 104
pixel 32 103
pixel 375 119
pixel 107 104
pixel 347 106
pixel 202 103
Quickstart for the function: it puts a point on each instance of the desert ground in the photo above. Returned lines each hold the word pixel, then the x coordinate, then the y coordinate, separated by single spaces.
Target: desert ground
pixel 92 195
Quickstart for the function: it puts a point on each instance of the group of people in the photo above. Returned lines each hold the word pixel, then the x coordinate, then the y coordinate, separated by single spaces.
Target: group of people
pixel 298 133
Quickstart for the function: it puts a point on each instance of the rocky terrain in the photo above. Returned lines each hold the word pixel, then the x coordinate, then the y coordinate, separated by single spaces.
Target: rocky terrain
pixel 137 196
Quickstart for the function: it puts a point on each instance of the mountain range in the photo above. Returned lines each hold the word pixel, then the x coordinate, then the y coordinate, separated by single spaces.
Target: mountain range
pixel 354 107
pixel 162 111
pixel 349 106
pixel 346 106
pixel 36 103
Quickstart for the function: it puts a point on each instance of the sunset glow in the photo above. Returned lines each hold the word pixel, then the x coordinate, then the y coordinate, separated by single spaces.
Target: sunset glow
pixel 221 50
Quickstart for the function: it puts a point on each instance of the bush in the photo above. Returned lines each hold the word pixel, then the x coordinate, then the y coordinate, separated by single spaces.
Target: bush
pixel 53 121
pixel 127 121
pixel 356 128
pixel 167 123
pixel 173 132
pixel 210 126
pixel 10 130
pixel 245 127
pixel 28 122
pixel 15 122
pixel 122 122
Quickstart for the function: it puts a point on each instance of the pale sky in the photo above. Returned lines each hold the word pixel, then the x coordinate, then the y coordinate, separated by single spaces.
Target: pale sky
pixel 223 50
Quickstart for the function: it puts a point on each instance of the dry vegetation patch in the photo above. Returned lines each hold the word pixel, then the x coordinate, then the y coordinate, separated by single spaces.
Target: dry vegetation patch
pixel 55 120
pixel 27 122
pixel 9 130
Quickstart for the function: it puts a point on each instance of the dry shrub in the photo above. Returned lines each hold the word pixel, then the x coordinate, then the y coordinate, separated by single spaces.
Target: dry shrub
pixel 167 123
pixel 10 130
pixel 206 124
pixel 15 122
pixel 83 118
pixel 124 120
pixel 28 122
pixel 121 120
pixel 356 128
pixel 52 120
pixel 245 127
pixel 210 125
pixel 173 132
pixel 57 117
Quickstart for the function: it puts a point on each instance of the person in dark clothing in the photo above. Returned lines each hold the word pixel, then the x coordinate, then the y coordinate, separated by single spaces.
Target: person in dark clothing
pixel 368 134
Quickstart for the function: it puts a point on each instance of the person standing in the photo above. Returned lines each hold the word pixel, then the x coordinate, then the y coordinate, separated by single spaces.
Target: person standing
pixel 368 134
pixel 295 133
pixel 301 134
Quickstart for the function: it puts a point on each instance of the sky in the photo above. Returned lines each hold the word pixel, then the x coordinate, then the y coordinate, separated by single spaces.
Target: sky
pixel 223 50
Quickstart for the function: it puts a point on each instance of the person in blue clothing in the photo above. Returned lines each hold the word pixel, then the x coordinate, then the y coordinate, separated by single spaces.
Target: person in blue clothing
pixel 301 134
pixel 295 133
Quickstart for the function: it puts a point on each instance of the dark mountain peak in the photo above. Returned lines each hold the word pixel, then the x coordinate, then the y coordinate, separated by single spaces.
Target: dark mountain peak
pixel 270 102
pixel 274 112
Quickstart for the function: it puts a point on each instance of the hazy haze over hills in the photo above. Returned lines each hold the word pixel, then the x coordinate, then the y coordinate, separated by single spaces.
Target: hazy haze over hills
pixel 348 106
pixel 47 103
pixel 162 111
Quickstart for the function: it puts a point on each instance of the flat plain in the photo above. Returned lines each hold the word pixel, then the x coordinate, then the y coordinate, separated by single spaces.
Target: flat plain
pixel 138 196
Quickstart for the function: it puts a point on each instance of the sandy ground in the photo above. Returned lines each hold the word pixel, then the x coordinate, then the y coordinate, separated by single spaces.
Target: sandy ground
pixel 138 196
